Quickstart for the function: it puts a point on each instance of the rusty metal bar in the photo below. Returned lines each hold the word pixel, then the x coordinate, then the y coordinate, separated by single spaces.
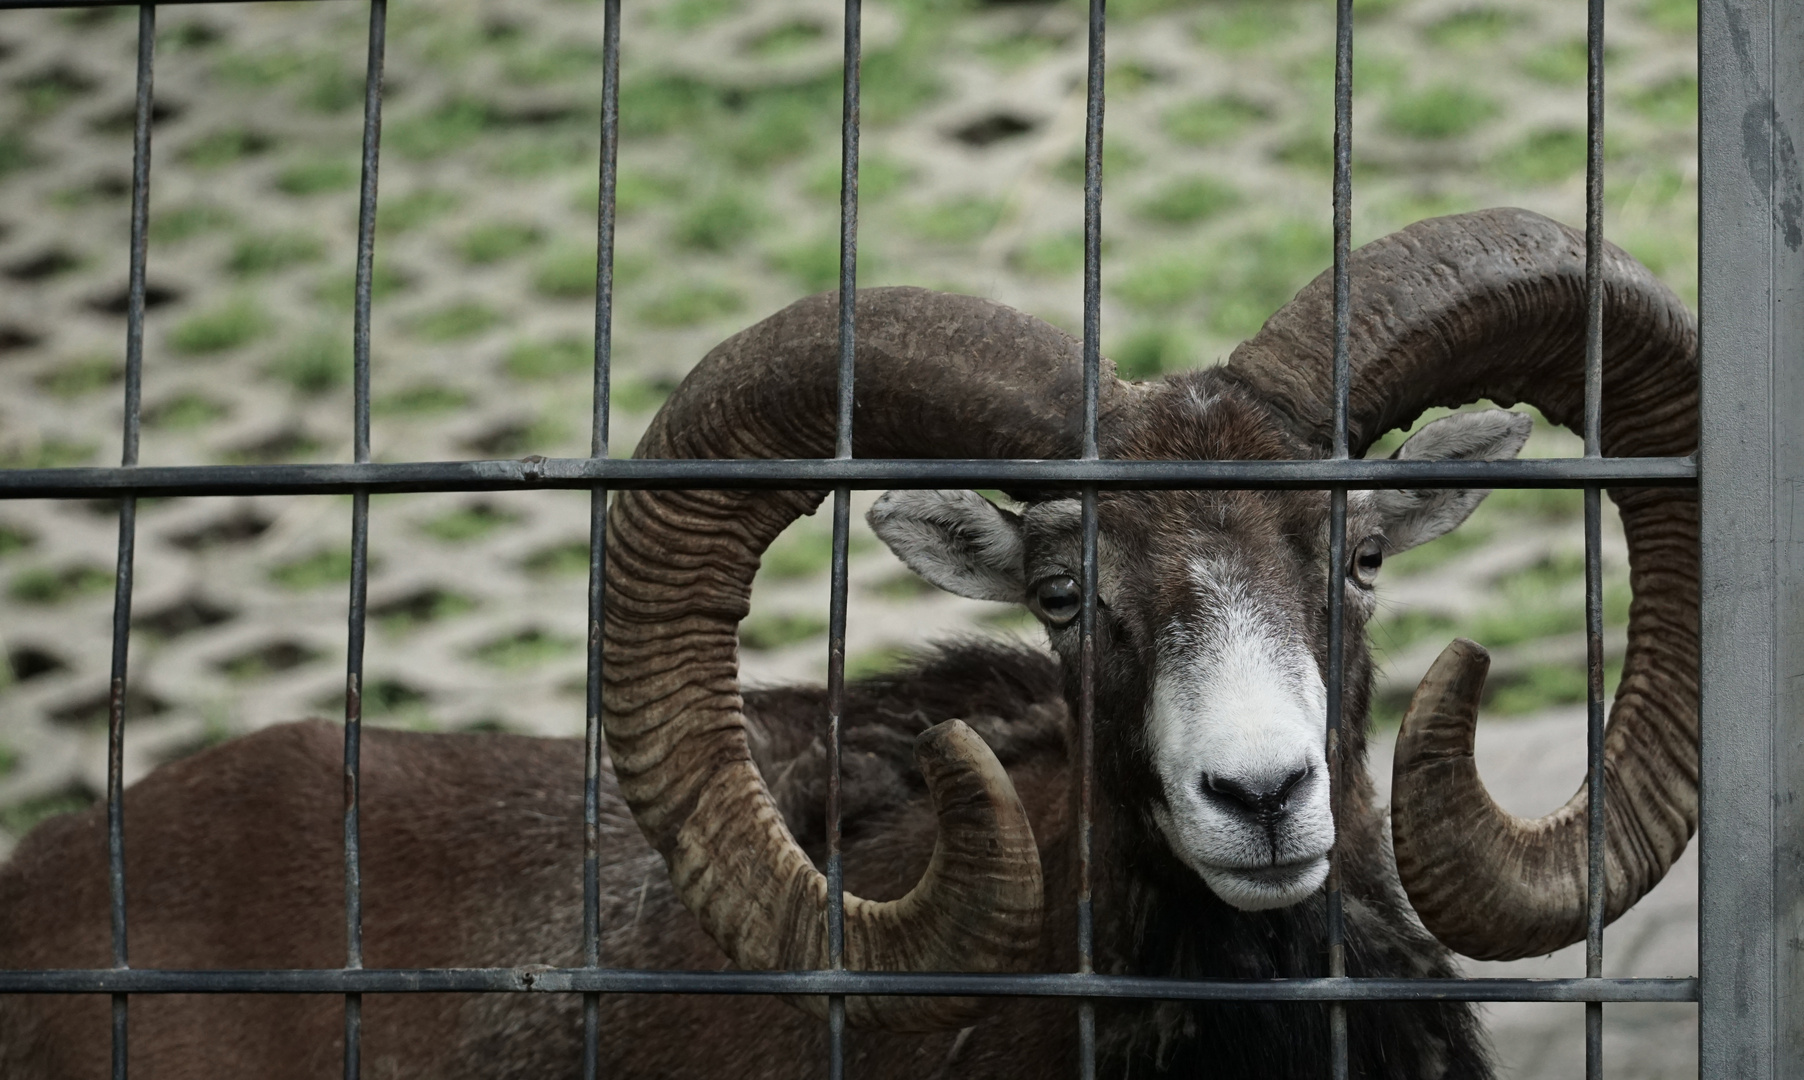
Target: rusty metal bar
pixel 537 979
pixel 1594 618
pixel 128 527
pixel 360 532
pixel 593 747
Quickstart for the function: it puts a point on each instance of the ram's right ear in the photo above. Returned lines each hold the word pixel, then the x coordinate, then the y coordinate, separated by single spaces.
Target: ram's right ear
pixel 958 540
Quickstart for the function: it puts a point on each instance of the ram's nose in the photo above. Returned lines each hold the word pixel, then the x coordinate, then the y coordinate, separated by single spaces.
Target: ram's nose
pixel 1262 796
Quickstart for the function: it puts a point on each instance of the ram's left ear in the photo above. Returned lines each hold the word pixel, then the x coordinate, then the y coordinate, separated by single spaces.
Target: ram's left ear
pixel 1412 518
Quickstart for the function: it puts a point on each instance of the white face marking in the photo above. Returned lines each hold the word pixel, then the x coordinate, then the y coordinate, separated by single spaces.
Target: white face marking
pixel 1236 723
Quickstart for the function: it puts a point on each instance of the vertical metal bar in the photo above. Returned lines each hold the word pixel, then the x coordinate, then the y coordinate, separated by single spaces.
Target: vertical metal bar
pixel 1594 621
pixel 1086 711
pixel 128 527
pixel 598 525
pixel 1751 476
pixel 360 530
pixel 1337 509
pixel 842 522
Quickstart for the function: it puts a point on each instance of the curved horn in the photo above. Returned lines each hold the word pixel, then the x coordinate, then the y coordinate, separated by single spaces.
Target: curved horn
pixel 1492 305
pixel 937 376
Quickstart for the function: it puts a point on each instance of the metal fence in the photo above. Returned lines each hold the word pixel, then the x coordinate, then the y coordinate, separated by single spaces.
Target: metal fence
pixel 1752 970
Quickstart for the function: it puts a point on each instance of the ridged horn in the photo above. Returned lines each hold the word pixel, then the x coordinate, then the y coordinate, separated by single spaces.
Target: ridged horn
pixel 937 376
pixel 1492 305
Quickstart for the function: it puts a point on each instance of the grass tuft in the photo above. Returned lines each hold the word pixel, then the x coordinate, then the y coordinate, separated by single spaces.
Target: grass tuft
pixel 1444 111
pixel 44 586
pixel 1188 200
pixel 221 329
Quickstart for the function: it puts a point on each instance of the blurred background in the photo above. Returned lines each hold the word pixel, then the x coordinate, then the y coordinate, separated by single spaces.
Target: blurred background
pixel 1216 184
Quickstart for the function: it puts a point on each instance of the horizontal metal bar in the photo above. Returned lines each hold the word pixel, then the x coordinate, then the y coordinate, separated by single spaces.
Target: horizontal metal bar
pixel 615 981
pixel 862 473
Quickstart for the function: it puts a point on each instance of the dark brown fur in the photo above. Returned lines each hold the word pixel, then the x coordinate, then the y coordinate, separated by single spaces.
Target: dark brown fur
pixel 473 847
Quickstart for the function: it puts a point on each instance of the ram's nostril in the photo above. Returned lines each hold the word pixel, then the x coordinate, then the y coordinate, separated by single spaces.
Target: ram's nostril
pixel 1263 796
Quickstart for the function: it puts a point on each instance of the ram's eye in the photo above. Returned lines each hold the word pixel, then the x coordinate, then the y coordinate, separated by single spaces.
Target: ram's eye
pixel 1367 558
pixel 1058 600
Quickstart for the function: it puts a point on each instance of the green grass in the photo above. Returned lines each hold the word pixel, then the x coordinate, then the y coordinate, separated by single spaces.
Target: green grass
pixel 460 321
pixel 549 359
pixel 259 69
pixel 718 223
pixel 966 219
pixel 787 39
pixel 1443 111
pixel 16 152
pixel 420 609
pixel 222 148
pixel 450 126
pixel 690 305
pixel 566 273
pixel 186 222
pixel 1472 28
pixel 1150 351
pixel 528 648
pixel 231 325
pixel 776 631
pixel 779 125
pixel 558 560
pixel 467 523
pixel 904 586
pixel 1543 157
pixel 395 701
pixel 1544 686
pixel 1562 64
pixel 334 88
pixel 1259 272
pixel 14 539
pixel 1244 25
pixel 80 376
pixel 315 364
pixel 875 662
pixel 878 177
pixel 1212 120
pixel 404 213
pixel 44 586
pixel 813 262
pixel 421 399
pixel 693 14
pixel 271 659
pixel 9 760
pixel 316 176
pixel 1672 16
pixel 804 552
pixel 497 241
pixel 49 89
pixel 560 63
pixel 1187 200
pixel 1673 102
pixel 1165 282
pixel 1118 162
pixel 1475 533
pixel 1050 255
pixel 22 817
pixel 185 412
pixel 639 395
pixel 1394 632
pixel 331 566
pixel 340 290
pixel 48 452
pixel 267 253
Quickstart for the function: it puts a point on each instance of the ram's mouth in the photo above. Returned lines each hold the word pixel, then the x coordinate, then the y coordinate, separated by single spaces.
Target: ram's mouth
pixel 1259 888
